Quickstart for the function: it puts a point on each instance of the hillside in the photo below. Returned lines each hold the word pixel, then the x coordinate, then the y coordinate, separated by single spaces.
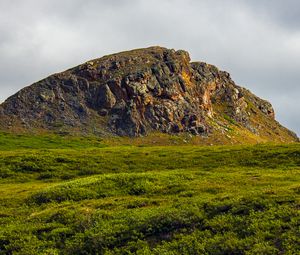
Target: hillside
pixel 88 197
pixel 142 92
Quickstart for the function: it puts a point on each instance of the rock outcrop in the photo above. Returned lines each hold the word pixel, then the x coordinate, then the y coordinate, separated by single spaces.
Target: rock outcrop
pixel 137 92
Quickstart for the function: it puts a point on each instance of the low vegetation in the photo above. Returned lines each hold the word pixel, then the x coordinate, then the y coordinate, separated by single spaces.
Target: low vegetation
pixel 63 195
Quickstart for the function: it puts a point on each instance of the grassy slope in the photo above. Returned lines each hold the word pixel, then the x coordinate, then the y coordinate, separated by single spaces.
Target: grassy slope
pixel 69 195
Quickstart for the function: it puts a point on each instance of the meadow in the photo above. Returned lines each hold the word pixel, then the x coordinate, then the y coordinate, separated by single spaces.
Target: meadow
pixel 72 195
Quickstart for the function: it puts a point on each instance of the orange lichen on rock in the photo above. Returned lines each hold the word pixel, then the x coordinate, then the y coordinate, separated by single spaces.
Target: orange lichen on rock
pixel 186 77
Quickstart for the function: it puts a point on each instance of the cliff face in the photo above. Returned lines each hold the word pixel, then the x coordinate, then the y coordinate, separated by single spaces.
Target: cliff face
pixel 137 92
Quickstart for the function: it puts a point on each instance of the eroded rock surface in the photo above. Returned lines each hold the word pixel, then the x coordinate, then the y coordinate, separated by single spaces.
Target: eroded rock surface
pixel 137 92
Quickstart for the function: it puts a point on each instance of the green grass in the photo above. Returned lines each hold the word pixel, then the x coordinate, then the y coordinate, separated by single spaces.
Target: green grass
pixel 68 195
pixel 10 141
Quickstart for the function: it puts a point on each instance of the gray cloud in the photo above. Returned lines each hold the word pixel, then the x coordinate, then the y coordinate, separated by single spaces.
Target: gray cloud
pixel 285 13
pixel 257 41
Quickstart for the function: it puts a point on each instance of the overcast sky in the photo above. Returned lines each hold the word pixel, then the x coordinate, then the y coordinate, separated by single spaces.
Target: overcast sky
pixel 257 41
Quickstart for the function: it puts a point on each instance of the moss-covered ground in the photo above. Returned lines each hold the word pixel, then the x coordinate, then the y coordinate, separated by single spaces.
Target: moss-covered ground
pixel 64 195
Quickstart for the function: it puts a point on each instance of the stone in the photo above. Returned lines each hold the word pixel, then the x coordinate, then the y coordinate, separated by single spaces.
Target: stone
pixel 136 92
pixel 106 97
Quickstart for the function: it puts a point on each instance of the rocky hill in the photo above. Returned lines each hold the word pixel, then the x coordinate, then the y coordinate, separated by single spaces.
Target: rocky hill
pixel 139 92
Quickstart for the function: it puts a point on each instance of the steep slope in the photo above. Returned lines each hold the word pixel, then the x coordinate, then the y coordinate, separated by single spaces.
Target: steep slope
pixel 142 91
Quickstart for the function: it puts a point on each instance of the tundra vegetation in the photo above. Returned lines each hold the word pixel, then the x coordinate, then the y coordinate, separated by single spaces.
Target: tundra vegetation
pixel 70 195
